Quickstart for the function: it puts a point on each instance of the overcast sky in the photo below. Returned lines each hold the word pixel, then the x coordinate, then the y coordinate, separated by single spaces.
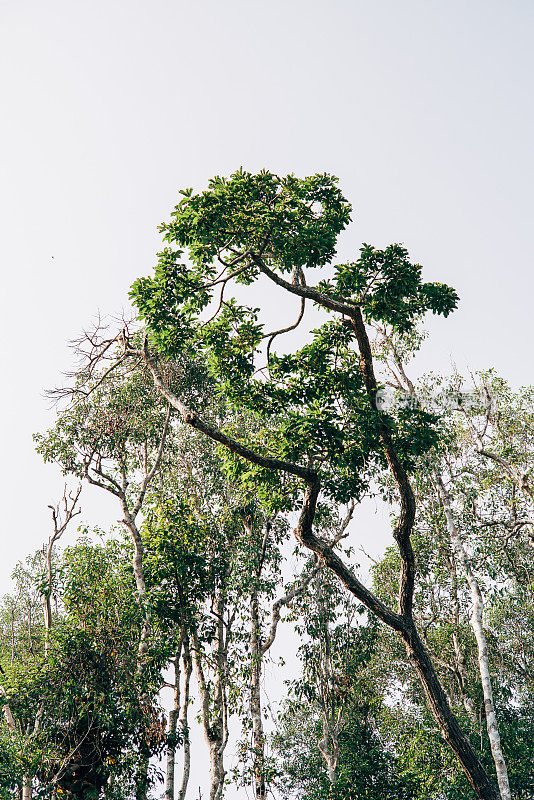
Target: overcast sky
pixel 423 109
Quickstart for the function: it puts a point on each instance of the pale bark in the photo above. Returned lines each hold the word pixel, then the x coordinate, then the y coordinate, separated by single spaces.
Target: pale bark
pixel 462 678
pixel 61 516
pixel 178 719
pixel 26 788
pixel 8 714
pixel 477 601
pixel 258 737
pixel 184 723
pixel 460 669
pixel 328 745
pixel 139 577
pixel 214 723
pixel 329 748
pixel 173 724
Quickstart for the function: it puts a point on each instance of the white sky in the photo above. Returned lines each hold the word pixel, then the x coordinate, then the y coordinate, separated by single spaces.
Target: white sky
pixel 423 109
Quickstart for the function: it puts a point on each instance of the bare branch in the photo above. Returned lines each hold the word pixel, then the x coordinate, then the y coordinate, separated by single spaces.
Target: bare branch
pixel 155 465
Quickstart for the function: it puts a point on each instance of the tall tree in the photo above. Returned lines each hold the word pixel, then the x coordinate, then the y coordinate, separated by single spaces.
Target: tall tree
pixel 113 436
pixel 333 437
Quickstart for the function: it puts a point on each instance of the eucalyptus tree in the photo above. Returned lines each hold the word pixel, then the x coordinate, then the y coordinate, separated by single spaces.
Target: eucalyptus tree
pixel 330 435
pixel 198 564
pixel 112 435
pixel 476 487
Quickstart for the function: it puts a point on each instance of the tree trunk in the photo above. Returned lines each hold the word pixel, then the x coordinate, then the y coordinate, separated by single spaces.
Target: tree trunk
pixel 483 659
pixel 26 789
pixel 139 575
pixel 173 724
pixel 258 738
pixel 213 724
pixel 328 744
pixel 403 624
pixel 184 725
pixel 328 747
pixel 460 669
pixel 447 722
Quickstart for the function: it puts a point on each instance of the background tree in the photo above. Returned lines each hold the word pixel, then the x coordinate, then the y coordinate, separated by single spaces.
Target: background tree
pixel 329 739
pixel 113 436
pixel 464 514
pixel 80 725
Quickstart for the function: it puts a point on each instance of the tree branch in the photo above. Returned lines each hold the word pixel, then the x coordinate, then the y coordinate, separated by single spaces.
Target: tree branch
pixel 192 419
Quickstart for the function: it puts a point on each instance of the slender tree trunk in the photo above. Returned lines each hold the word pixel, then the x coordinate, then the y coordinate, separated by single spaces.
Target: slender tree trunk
pixel 328 744
pixel 328 747
pixel 462 677
pixel 213 724
pixel 258 738
pixel 142 648
pixel 184 725
pixel 139 576
pixel 181 703
pixel 26 788
pixel 173 724
pixel 483 658
pixel 460 668
pixel 8 714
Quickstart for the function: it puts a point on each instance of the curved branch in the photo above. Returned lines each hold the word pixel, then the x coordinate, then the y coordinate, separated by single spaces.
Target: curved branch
pixel 304 533
pixel 295 591
pixel 406 521
pixel 308 292
pixel 274 334
pixel 192 419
